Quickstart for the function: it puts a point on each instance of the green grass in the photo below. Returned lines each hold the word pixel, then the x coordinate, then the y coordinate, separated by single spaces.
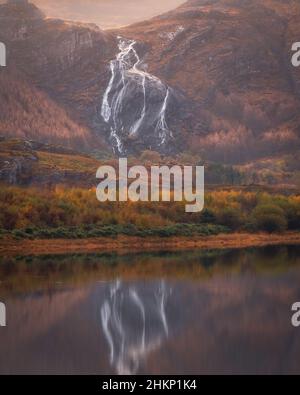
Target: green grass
pixel 114 231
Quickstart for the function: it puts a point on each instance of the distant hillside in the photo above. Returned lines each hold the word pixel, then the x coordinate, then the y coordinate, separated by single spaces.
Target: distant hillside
pixel 29 113
pixel 212 77
pixel 28 162
pixel 50 87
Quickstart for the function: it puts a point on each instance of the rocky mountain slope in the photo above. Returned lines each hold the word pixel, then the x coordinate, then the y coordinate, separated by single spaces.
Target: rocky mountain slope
pixel 231 59
pixel 29 113
pixel 30 163
pixel 213 77
pixel 57 67
pixel 27 162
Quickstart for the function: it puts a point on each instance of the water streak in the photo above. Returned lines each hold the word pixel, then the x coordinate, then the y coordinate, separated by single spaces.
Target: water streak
pixel 122 109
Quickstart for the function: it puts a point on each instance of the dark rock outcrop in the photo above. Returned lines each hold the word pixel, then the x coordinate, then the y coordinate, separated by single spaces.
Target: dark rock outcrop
pixel 25 163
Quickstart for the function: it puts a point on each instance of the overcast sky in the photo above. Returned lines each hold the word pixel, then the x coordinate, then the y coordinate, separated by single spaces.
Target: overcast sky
pixel 106 13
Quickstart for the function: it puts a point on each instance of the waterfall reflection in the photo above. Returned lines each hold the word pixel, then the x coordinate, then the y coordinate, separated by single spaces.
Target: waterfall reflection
pixel 134 321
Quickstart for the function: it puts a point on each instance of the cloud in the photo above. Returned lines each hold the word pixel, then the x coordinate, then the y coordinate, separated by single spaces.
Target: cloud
pixel 106 13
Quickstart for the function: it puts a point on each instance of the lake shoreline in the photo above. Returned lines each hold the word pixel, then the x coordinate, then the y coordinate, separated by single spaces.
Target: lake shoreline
pixel 128 244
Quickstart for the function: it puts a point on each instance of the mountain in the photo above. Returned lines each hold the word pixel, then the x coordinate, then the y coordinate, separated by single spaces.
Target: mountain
pixel 51 85
pixel 231 60
pixel 29 113
pixel 213 77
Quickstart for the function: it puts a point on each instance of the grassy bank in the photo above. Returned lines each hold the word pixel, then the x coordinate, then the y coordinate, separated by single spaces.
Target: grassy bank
pixel 93 231
pixel 125 244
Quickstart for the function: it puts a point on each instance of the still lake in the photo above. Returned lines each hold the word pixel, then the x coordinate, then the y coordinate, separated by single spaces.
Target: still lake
pixel 159 313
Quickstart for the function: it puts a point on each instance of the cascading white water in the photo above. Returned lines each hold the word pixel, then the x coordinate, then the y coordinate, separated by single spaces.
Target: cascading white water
pixel 134 323
pixel 162 127
pixel 122 108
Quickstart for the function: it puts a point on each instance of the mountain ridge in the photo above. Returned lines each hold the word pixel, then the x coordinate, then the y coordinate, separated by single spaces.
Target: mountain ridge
pixel 227 62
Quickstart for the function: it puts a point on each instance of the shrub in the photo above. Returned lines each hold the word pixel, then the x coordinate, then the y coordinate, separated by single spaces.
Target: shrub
pixel 230 217
pixel 75 212
pixel 150 156
pixel 293 217
pixel 270 218
pixel 207 216
pixel 8 217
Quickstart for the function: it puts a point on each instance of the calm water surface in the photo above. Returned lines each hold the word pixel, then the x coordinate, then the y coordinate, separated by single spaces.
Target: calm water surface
pixel 165 313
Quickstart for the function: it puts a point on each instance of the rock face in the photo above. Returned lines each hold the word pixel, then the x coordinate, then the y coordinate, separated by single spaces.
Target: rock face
pixel 67 62
pixel 212 77
pixel 27 112
pixel 24 162
pixel 232 60
pixel 136 104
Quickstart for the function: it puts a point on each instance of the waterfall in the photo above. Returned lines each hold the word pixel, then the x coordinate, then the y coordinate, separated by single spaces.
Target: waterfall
pixel 135 102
